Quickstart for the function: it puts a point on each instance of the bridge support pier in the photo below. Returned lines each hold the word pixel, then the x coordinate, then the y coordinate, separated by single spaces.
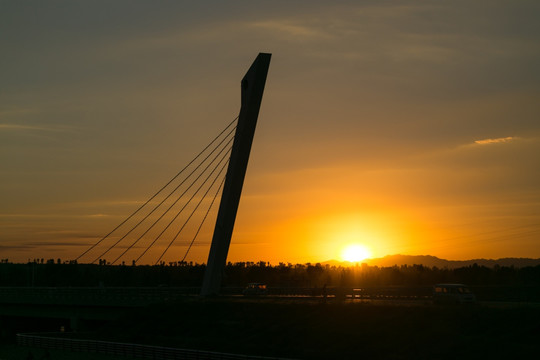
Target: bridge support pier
pixel 252 88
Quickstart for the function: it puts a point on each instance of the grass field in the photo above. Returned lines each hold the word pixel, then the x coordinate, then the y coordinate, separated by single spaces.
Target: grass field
pixel 332 330
pixel 335 330
pixel 13 352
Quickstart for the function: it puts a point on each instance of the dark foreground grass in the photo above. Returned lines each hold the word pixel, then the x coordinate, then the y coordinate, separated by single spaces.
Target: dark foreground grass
pixel 315 330
pixel 14 352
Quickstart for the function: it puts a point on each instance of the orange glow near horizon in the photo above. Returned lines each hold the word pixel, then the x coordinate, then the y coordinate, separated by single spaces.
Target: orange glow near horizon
pixel 344 230
pixel 323 237
pixel 355 253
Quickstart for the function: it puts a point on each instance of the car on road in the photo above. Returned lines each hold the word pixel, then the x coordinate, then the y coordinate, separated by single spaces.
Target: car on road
pixel 255 289
pixel 452 294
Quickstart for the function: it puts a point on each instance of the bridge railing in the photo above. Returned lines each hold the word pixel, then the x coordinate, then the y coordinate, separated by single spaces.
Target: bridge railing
pixel 126 349
pixel 137 296
pixel 94 296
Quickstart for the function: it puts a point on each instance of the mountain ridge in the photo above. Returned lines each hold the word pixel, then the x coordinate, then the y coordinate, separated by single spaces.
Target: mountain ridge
pixel 431 261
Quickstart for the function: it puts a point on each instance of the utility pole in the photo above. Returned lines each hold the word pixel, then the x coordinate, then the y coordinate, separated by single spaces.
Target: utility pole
pixel 252 88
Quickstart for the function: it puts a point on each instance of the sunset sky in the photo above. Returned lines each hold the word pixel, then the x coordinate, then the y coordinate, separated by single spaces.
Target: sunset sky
pixel 407 127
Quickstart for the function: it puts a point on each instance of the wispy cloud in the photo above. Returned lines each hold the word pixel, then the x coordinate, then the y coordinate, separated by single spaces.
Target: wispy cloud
pixel 16 247
pixel 17 112
pixel 21 127
pixel 97 215
pixel 105 203
pixel 495 141
pixel 18 127
pixel 291 29
pixel 54 216
pixel 25 246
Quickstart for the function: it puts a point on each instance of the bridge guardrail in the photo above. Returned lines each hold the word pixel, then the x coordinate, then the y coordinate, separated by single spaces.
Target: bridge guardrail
pixel 141 296
pixel 94 296
pixel 128 350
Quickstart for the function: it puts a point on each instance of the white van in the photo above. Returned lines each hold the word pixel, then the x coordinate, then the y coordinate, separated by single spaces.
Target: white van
pixel 452 294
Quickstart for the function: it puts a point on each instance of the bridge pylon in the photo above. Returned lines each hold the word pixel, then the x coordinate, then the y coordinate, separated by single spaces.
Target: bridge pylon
pixel 252 88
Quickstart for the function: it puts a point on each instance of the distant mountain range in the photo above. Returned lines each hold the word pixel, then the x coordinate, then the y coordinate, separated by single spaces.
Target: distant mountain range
pixel 431 261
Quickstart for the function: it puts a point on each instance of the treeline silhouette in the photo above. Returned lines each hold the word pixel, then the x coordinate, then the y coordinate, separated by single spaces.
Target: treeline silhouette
pixel 58 273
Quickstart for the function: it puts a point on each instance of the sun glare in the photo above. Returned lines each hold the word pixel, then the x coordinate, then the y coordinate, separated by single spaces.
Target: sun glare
pixel 355 253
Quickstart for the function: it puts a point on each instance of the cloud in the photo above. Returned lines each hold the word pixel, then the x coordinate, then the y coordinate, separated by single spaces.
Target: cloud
pixel 16 127
pixel 57 243
pixel 495 141
pixel 97 215
pixel 17 112
pixel 291 29
pixel 54 216
pixel 21 127
pixel 16 247
pixel 41 244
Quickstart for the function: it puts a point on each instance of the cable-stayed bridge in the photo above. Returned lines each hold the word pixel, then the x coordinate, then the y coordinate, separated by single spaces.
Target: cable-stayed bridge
pixel 178 211
pixel 175 213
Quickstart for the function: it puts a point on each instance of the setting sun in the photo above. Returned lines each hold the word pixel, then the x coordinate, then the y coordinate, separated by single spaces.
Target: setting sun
pixel 355 253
